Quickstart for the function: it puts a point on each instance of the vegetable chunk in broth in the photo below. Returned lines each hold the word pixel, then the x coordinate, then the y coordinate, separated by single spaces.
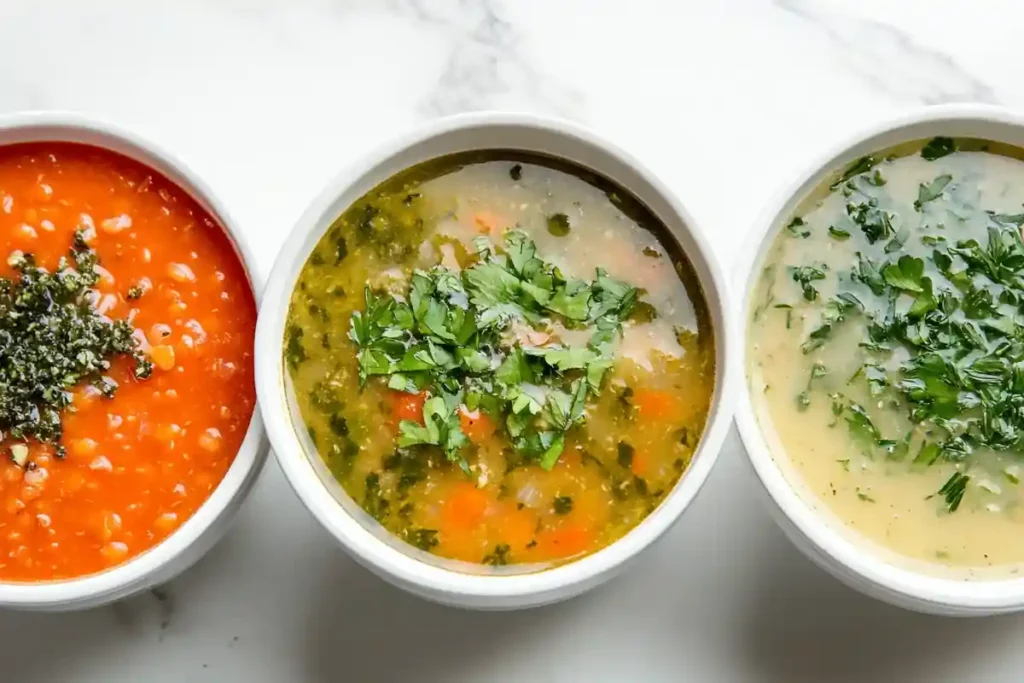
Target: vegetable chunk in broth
pixel 887 351
pixel 499 360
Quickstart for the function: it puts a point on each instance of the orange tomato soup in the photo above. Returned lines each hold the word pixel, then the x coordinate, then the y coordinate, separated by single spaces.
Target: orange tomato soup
pixel 137 465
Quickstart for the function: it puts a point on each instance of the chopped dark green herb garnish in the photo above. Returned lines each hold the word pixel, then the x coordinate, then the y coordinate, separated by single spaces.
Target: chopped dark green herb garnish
pixel 944 334
pixel 499 556
pixel 838 233
pixel 446 338
pixel 805 275
pixel 562 505
pixel 862 165
pixel 374 501
pixel 797 228
pixel 52 337
pixel 875 223
pixel 953 490
pixel 937 148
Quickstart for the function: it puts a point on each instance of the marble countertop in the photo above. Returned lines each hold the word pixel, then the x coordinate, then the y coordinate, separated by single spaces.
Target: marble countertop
pixel 725 100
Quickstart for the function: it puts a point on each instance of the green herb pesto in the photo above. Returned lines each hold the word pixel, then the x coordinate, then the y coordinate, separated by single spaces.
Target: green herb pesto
pixel 52 338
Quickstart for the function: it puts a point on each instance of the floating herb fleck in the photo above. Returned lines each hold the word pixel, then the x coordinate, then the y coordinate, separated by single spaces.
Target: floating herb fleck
pixel 558 224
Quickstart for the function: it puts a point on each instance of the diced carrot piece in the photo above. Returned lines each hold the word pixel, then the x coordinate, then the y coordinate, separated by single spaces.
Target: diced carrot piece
pixel 476 424
pixel 163 356
pixel 566 540
pixel 406 406
pixel 487 222
pixel 82 448
pixel 464 507
pixel 654 403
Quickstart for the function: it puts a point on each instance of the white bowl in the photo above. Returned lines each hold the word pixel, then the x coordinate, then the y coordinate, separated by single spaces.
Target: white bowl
pixel 824 540
pixel 192 539
pixel 369 543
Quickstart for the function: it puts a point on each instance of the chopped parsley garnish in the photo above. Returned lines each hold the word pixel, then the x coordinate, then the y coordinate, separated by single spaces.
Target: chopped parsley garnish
pixel 51 338
pixel 838 233
pixel 862 165
pixel 797 228
pixel 953 490
pixel 804 276
pixel 931 191
pixel 461 337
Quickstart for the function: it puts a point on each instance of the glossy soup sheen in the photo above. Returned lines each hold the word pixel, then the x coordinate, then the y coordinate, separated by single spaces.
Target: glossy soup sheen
pixel 138 465
pixel 640 432
pixel 930 469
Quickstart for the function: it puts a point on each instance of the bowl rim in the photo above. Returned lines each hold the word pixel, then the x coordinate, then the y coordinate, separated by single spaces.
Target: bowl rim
pixel 161 561
pixel 851 560
pixel 398 567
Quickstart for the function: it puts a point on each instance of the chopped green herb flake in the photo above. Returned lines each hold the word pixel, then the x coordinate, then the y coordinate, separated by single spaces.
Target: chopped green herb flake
pixel 797 228
pixel 499 556
pixel 838 233
pixel 52 338
pixel 937 148
pixel 953 490
pixel 558 224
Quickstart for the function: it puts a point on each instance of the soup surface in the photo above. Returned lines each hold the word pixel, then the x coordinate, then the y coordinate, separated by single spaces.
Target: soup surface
pixel 886 350
pixel 113 454
pixel 497 358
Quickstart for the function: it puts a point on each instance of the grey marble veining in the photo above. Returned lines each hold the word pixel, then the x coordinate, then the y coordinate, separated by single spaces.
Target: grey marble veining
pixel 892 60
pixel 484 68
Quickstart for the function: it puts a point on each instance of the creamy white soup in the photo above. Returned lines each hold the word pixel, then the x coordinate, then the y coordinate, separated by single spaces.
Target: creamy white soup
pixel 886 351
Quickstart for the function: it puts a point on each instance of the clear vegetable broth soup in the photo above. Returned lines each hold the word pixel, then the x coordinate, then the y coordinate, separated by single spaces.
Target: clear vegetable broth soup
pixel 887 351
pixel 499 360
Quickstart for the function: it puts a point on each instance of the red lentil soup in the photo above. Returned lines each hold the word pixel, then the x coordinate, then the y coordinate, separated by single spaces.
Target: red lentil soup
pixel 133 464
pixel 502 358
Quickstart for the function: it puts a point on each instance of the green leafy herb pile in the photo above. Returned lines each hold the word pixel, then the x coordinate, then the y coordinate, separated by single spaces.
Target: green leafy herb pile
pixel 51 338
pixel 945 329
pixel 462 336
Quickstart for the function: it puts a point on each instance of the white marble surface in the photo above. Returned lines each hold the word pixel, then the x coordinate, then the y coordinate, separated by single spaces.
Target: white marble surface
pixel 723 98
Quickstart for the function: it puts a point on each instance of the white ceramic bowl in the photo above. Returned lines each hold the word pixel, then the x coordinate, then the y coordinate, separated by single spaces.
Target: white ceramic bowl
pixel 358 533
pixel 197 535
pixel 826 541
